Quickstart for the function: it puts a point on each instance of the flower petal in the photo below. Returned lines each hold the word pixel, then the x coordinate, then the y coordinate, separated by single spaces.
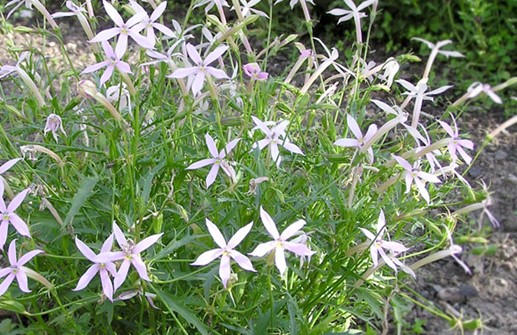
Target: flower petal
pixel 239 236
pixel 269 224
pixel 243 261
pixel 216 234
pixel 263 248
pixel 17 200
pixel 207 257
pixel 225 269
pixel 146 243
pixel 121 275
pixel 292 229
pixel 87 277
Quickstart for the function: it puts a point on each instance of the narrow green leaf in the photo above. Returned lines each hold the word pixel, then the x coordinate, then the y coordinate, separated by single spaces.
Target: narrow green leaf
pixel 174 305
pixel 84 192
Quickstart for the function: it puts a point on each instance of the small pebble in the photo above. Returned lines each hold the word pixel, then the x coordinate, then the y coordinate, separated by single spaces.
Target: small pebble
pixel 500 155
pixel 475 172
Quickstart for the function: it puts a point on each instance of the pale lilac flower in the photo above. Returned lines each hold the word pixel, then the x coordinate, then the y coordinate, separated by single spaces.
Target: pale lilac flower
pixel 354 13
pixel 281 243
pixel 217 161
pixel 133 293
pixel 457 144
pixel 124 30
pixel 53 124
pixel 113 61
pixel 273 139
pixel 3 168
pixel 419 177
pixel 225 251
pixel 477 88
pixel 419 93
pixel 379 245
pixel 253 71
pixel 17 269
pixel 130 255
pixel 201 68
pixel 80 13
pixel 360 140
pixel 102 264
pixel 210 3
pixel 7 215
pixel 149 22
pixel 435 50
pixel 247 8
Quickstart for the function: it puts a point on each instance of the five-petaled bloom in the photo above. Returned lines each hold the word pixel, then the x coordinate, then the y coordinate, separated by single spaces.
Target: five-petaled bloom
pixel 102 263
pixel 218 160
pixel 201 69
pixel 379 245
pixel 280 243
pixel 359 140
pixel 413 173
pixel 7 215
pixel 17 269
pixel 113 61
pixel 226 251
pixel 130 255
pixel 273 139
pixel 457 144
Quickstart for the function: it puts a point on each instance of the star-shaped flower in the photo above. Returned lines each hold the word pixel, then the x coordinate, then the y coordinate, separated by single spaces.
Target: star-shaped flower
pixel 419 177
pixel 457 144
pixel 360 140
pixel 17 269
pixel 202 67
pixel 217 161
pixel 102 264
pixel 226 251
pixel 273 139
pixel 280 242
pixel 113 61
pixel 131 255
pixel 7 215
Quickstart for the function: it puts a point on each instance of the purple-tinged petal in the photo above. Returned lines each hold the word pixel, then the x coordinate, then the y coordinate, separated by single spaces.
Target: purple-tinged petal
pixel 298 249
pixel 239 236
pixel 394 246
pixel 113 14
pixel 123 67
pixel 142 41
pixel 404 163
pixel 280 260
pixel 107 245
pixel 28 256
pixel 279 129
pixel 3 208
pixel 121 47
pixel 447 128
pixel 466 144
pixel 275 154
pixel 270 225
pixel 408 181
pixel 121 275
pixel 23 284
pixel 194 54
pixel 146 243
pixel 6 283
pixel 166 31
pixel 428 177
pixel 87 277
pixel 263 248
pixel 229 170
pixel 198 82
pixel 292 229
pixel 263 143
pixel 464 155
pixel 229 147
pixel 212 174
pixel 225 269
pixel 107 74
pixel 374 254
pixel 107 286
pixel 119 236
pixel 217 73
pixel 201 163
pixel 7 165
pixel 422 190
pixel 218 52
pixel 85 250
pixel 111 268
pixel 407 85
pixel 354 127
pixel 381 223
pixel 210 143
pixel 372 129
pixel 216 234
pixel 4 227
pixel 158 11
pixel 388 260
pixel 109 256
pixel 17 200
pixel 207 257
pixel 140 268
pixel 4 272
pixel 11 253
pixel 183 72
pixel 368 234
pixel 292 148
pixel 95 67
pixel 262 126
pixel 243 261
pixel 105 35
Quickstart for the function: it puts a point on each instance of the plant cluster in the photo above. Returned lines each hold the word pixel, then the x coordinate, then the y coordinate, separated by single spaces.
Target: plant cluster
pixel 178 141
